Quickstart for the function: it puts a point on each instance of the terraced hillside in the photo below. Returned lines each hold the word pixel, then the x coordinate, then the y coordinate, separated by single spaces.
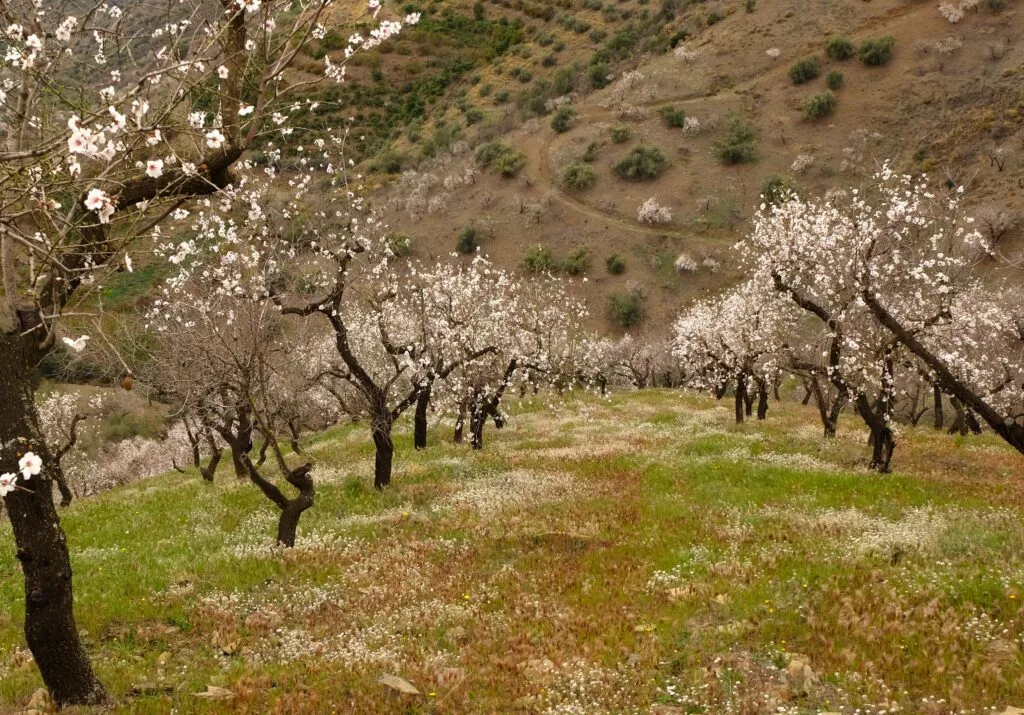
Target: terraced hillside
pixel 636 554
pixel 892 80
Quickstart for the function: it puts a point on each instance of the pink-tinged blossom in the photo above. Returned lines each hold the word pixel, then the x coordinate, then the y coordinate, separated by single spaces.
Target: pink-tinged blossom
pixel 77 344
pixel 30 465
pixel 155 168
pixel 7 484
pixel 215 139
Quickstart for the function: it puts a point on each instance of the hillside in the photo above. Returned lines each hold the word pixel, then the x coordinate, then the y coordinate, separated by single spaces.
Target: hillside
pixel 948 102
pixel 636 554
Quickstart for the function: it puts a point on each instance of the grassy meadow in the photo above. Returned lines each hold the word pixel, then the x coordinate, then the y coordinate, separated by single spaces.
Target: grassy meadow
pixel 636 554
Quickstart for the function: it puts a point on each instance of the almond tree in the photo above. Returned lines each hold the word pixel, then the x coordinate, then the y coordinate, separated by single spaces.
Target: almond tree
pixel 888 274
pixel 114 122
pixel 545 344
pixel 738 339
pixel 810 257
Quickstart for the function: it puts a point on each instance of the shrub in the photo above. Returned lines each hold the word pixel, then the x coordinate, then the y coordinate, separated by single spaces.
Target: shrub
pixel 995 6
pixel 577 262
pixel 400 244
pixel 834 80
pixel 501 96
pixel 563 119
pixel 804 70
pixel 714 17
pixel 776 190
pixel 750 5
pixel 739 145
pixel 590 154
pixel 539 259
pixel 500 158
pixel 489 152
pixel 510 163
pixel 467 242
pixel 819 105
pixel 564 80
pixel 642 163
pixel 620 134
pixel 674 117
pixel 876 52
pixel 549 61
pixel 615 265
pixel 626 309
pixel 577 177
pixel 839 48
pixel 474 115
pixel 600 75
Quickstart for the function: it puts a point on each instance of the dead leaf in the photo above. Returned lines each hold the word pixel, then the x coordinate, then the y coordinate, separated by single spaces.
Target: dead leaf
pixel 400 685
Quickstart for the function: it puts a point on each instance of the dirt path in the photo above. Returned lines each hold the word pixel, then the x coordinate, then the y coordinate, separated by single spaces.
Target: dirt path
pixel 539 153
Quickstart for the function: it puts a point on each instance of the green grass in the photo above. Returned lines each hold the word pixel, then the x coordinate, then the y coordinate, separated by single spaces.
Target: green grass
pixel 652 548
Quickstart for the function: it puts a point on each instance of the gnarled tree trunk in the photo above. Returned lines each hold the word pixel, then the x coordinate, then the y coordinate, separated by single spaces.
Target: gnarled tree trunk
pixel 762 399
pixel 741 398
pixel 419 434
pixel 937 398
pixel 385 451
pixel 50 629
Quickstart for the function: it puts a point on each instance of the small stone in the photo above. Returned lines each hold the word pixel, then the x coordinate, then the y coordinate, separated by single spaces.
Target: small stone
pixel 398 685
pixel 215 692
pixel 40 700
pixel 800 677
pixel 536 668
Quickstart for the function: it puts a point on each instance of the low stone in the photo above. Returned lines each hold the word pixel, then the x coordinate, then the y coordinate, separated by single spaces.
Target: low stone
pixel 800 678
pixel 397 685
pixel 536 668
pixel 40 700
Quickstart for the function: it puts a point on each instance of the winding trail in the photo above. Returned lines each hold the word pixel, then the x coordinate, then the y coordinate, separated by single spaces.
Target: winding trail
pixel 539 153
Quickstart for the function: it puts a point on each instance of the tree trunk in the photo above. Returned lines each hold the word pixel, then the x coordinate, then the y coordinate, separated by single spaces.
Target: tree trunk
pixel 477 422
pixel 419 437
pixel 959 425
pixel 210 469
pixel 237 452
pixel 829 415
pixel 385 452
pixel 288 524
pixel 937 397
pixel 294 432
pixel 50 629
pixel 748 403
pixel 741 390
pixel 762 399
pixel 881 438
pixel 460 424
pixel 807 395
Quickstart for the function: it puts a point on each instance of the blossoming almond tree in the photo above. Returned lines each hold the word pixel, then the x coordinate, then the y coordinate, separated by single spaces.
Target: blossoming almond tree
pixel 889 274
pixel 114 119
pixel 738 339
